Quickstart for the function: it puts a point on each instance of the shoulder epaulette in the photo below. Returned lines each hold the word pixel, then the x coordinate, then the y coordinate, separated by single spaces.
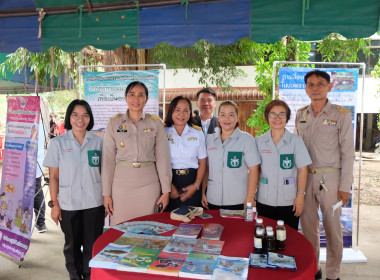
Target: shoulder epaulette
pixel 303 108
pixel 196 127
pixel 153 117
pixel 114 117
pixel 341 109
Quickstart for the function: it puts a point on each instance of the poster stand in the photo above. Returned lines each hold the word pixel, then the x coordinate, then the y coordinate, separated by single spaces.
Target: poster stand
pixel 350 255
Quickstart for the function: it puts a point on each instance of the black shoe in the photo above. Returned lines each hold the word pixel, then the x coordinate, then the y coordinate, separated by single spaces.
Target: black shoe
pixel 318 276
pixel 41 228
pixel 332 279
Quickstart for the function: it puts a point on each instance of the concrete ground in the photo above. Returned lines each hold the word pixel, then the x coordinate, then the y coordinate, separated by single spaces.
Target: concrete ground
pixel 45 261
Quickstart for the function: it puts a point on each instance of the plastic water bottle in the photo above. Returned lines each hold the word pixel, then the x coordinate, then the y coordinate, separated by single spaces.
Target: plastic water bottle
pixel 249 212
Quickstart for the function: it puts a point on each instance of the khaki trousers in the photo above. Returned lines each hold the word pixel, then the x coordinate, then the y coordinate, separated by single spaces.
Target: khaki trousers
pixel 314 199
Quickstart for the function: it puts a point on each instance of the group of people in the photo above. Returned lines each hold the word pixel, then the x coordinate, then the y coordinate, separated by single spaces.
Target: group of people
pixel 56 128
pixel 142 166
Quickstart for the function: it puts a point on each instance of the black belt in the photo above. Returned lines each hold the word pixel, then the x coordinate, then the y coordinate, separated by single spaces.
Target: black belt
pixel 183 171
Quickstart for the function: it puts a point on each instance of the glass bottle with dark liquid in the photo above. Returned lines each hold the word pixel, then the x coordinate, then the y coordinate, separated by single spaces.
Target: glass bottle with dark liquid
pixel 259 241
pixel 280 236
pixel 270 241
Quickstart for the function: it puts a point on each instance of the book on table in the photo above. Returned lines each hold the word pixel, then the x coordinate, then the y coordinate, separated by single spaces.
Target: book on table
pixel 199 266
pixel 180 245
pixel 206 246
pixel 212 231
pixel 143 240
pixel 188 230
pixel 167 263
pixel 110 256
pixel 232 268
pixel 282 261
pixel 138 259
pixel 236 214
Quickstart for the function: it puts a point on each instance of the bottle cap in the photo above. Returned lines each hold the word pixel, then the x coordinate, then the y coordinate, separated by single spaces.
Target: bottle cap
pixel 249 204
pixel 260 231
pixel 269 228
pixel 280 222
pixel 270 232
pixel 259 220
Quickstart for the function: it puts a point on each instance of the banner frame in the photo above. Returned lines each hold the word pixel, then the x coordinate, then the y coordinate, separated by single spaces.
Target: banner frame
pixel 361 66
pixel 161 65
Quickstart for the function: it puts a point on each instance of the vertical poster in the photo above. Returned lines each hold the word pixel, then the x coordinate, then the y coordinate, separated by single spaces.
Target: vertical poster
pixel 105 92
pixel 344 92
pixel 18 179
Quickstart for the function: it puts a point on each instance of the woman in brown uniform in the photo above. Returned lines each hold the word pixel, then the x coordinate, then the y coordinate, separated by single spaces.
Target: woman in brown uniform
pixel 136 167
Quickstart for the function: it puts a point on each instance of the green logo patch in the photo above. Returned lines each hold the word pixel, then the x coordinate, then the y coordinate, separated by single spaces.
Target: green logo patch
pixel 287 161
pixel 234 159
pixel 94 158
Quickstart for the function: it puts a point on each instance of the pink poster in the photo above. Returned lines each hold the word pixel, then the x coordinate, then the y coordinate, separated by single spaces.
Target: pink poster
pixel 19 174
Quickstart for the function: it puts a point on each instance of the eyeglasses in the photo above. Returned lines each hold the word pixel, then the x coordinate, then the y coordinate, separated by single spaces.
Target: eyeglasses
pixel 274 116
pixel 77 117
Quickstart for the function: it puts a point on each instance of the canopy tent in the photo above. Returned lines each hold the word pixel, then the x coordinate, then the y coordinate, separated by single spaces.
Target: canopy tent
pixel 74 24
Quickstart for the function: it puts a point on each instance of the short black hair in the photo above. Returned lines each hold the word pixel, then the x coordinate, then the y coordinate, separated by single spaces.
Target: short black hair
pixel 133 84
pixel 70 110
pixel 317 73
pixel 169 117
pixel 206 90
pixel 277 102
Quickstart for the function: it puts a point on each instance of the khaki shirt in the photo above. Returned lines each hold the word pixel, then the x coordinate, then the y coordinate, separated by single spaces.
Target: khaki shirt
pixel 329 139
pixel 80 184
pixel 143 141
pixel 228 167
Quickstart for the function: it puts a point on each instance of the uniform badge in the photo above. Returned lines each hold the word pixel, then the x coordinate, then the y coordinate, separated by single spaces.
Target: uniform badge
pixel 170 138
pixel 192 139
pixel 94 158
pixel 287 161
pixel 148 129
pixel 329 122
pixel 234 159
pixel 122 128
pixel 121 144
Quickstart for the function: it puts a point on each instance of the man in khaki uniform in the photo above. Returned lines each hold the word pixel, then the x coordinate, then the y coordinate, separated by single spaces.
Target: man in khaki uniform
pixel 327 132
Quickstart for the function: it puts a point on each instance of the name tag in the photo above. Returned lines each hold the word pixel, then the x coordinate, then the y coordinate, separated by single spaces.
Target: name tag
pixel 192 139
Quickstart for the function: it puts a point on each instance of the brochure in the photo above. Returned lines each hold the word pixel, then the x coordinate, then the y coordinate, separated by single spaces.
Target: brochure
pixel 260 260
pixel 143 240
pixel 138 259
pixel 188 230
pixel 206 246
pixel 200 266
pixel 110 256
pixel 282 261
pixel 236 214
pixel 146 227
pixel 180 245
pixel 230 268
pixel 168 263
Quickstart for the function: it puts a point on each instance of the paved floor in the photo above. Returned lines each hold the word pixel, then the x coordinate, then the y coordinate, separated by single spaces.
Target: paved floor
pixel 45 261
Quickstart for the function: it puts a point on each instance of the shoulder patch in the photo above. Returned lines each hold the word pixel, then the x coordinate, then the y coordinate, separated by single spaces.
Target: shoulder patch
pixel 303 108
pixel 196 127
pixel 114 117
pixel 341 109
pixel 153 117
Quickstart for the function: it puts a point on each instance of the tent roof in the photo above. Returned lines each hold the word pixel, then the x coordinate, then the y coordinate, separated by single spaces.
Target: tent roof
pixel 112 23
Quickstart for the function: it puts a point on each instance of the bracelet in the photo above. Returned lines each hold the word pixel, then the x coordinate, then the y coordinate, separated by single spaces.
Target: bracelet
pixel 195 183
pixel 303 192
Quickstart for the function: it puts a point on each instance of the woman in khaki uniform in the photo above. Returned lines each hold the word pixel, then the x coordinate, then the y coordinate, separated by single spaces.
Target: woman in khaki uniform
pixel 136 169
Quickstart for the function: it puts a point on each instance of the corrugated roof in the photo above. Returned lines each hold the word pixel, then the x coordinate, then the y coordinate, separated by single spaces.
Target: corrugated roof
pixel 238 93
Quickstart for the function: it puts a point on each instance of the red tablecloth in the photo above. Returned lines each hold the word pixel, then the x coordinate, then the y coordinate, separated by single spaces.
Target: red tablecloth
pixel 238 236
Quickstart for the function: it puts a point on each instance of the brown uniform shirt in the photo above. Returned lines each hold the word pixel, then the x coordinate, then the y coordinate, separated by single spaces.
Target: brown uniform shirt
pixel 329 139
pixel 143 141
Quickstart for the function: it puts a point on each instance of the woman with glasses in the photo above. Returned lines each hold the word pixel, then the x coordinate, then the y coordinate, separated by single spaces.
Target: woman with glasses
pixel 75 187
pixel 232 163
pixel 283 174
pixel 136 169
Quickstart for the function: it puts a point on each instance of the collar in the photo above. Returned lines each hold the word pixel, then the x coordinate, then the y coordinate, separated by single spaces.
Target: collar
pixel 212 115
pixel 70 135
pixel 326 109
pixel 173 130
pixel 286 137
pixel 234 134
pixel 125 117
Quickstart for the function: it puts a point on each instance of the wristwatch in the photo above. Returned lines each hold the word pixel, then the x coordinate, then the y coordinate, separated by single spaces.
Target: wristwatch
pixel 51 203
pixel 303 192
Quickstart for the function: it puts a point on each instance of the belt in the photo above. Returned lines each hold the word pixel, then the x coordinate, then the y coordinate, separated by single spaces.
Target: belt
pixel 323 170
pixel 135 164
pixel 182 171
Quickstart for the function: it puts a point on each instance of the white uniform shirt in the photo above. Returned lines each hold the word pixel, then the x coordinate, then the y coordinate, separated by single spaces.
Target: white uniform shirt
pixel 278 175
pixel 187 149
pixel 228 167
pixel 79 174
